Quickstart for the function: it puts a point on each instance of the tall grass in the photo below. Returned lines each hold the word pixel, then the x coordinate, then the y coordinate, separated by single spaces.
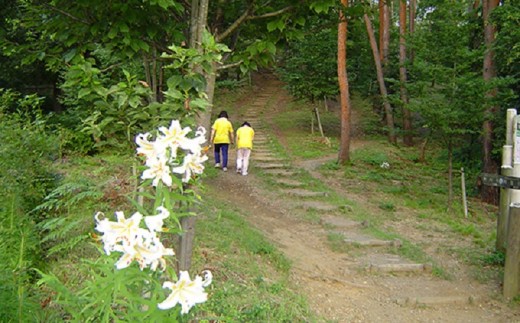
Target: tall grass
pixel 25 156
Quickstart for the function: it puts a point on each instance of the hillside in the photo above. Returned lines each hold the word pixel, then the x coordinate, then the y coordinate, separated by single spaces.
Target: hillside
pixel 357 255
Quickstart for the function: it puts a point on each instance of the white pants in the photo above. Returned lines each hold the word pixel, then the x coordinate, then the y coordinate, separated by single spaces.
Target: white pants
pixel 243 159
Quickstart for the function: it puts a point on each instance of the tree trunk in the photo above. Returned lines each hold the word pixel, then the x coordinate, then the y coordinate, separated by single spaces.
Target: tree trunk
pixel 411 15
pixel 384 32
pixel 198 23
pixel 450 175
pixel 407 116
pixel 380 79
pixel 489 194
pixel 211 78
pixel 344 150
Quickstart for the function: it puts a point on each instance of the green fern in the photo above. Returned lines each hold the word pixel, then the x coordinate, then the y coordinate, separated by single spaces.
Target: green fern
pixel 62 231
pixel 67 195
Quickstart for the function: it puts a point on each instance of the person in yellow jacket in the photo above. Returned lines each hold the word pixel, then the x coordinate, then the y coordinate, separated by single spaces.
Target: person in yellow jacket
pixel 222 137
pixel 245 137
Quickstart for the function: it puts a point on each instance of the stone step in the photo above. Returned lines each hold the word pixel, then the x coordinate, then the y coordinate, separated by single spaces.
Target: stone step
pixel 303 193
pixel 340 222
pixel 316 205
pixel 373 242
pixel 390 263
pixel 261 150
pixel 280 172
pixel 436 300
pixel 271 166
pixel 395 268
pixel 289 182
pixel 263 158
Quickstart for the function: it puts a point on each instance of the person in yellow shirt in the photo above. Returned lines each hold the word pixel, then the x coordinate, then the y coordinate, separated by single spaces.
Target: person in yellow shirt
pixel 222 137
pixel 245 137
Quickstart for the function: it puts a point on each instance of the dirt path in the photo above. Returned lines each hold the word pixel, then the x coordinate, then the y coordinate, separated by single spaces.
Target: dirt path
pixel 367 285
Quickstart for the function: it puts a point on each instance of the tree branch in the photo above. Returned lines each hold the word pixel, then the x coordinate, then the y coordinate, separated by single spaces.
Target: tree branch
pixel 223 67
pixel 271 14
pixel 247 15
pixel 66 14
pixel 234 26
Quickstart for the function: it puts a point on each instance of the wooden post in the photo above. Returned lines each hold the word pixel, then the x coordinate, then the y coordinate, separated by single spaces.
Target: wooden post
pixel 515 194
pixel 508 153
pixel 464 200
pixel 510 126
pixel 312 124
pixel 317 113
pixel 503 215
pixel 512 267
pixel 185 245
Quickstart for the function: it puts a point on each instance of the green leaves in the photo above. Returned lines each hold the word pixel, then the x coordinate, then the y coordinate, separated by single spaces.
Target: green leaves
pixel 323 6
pixel 110 294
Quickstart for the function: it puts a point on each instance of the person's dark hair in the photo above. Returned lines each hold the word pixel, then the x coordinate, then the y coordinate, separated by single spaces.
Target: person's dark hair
pixel 223 114
pixel 246 124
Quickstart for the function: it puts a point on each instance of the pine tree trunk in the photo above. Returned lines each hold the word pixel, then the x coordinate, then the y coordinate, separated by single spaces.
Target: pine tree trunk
pixel 489 194
pixel 411 15
pixel 344 150
pixel 380 79
pixel 407 116
pixel 450 175
pixel 384 32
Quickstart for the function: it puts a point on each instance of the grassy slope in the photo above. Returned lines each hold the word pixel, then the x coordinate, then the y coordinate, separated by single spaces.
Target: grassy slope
pixel 418 190
pixel 251 276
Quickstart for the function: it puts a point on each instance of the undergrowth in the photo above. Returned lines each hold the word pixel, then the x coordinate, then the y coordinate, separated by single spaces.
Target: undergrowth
pixel 251 276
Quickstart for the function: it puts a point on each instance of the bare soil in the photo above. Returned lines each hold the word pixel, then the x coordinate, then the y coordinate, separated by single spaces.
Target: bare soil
pixel 369 283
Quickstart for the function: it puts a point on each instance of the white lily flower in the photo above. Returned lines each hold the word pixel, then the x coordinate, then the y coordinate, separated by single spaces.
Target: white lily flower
pixel 185 292
pixel 155 222
pixel 173 135
pixel 192 164
pixel 154 257
pixel 150 149
pixel 208 278
pixel 145 253
pixel 158 171
pixel 194 145
pixel 201 132
pixel 124 230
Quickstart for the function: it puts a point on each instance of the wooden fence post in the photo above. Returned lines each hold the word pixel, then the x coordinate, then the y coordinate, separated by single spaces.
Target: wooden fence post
pixel 463 186
pixel 185 243
pixel 503 215
pixel 509 157
pixel 512 266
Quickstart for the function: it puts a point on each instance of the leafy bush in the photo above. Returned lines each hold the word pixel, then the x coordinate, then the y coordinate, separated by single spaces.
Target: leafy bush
pixel 25 155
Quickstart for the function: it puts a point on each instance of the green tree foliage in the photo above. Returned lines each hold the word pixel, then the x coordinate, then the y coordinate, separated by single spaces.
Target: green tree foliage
pixel 507 47
pixel 446 90
pixel 308 64
pixel 59 31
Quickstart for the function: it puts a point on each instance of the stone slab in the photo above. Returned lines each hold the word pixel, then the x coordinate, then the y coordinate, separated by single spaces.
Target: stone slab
pixel 436 300
pixel 316 205
pixel 340 222
pixel 289 182
pixel 303 193
pixel 270 166
pixel 389 263
pixel 280 172
pixel 373 242
pixel 264 158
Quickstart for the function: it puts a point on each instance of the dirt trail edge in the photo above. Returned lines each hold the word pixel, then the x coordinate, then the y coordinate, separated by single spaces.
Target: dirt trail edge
pixel 369 285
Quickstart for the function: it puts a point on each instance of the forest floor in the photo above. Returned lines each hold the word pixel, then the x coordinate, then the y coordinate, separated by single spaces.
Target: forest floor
pixel 369 283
